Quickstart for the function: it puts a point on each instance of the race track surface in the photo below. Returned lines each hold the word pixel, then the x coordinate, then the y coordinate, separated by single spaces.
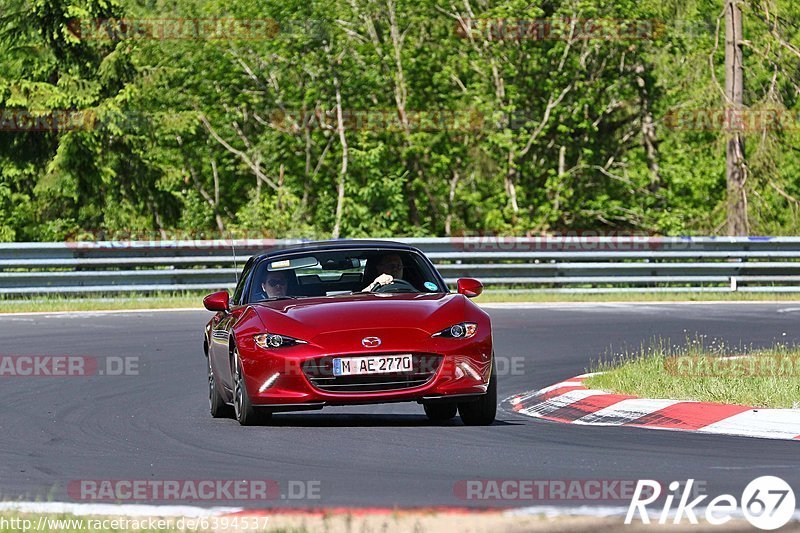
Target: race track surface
pixel 155 425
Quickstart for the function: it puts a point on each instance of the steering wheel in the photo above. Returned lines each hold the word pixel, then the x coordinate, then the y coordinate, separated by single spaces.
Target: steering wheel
pixel 398 285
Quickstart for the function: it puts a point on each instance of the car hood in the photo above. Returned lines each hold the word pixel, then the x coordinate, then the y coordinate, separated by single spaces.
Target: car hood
pixel 307 317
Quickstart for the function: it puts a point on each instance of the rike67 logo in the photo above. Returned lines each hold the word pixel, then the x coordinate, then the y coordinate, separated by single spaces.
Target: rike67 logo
pixel 767 502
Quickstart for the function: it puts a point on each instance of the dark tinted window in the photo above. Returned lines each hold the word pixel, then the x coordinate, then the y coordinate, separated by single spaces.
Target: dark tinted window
pixel 238 293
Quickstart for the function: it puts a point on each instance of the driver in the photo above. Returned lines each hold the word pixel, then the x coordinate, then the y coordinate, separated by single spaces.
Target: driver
pixel 391 268
pixel 275 284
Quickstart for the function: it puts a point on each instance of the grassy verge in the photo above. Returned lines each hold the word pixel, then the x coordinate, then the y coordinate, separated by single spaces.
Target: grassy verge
pixel 131 301
pixel 767 377
pixel 194 299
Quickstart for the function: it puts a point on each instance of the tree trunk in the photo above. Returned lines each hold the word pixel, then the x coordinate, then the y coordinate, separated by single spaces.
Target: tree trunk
pixel 343 172
pixel 217 215
pixel 736 168
pixel 649 139
pixel 451 201
pixel 511 189
pixel 413 164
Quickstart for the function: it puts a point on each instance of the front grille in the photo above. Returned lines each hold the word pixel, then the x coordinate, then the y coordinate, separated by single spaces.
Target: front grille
pixel 320 373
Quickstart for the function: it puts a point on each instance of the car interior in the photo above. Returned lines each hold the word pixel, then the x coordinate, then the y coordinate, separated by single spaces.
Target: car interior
pixel 338 273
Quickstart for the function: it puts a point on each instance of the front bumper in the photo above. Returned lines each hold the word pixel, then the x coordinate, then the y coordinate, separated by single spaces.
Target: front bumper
pixel 289 378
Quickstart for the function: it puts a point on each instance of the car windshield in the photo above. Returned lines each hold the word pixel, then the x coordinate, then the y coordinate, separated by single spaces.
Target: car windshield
pixel 334 273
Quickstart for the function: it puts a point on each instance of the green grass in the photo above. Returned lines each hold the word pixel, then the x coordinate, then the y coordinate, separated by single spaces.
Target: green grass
pixel 194 299
pixel 705 372
pixel 53 303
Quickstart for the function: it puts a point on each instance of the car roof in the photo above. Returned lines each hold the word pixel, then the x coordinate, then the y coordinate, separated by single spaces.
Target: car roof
pixel 338 244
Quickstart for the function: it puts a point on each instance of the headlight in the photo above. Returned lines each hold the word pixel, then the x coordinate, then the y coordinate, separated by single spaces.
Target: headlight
pixel 270 341
pixel 463 330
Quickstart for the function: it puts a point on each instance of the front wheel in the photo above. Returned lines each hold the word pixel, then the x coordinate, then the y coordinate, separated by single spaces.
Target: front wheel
pixel 216 403
pixel 245 413
pixel 481 412
pixel 440 412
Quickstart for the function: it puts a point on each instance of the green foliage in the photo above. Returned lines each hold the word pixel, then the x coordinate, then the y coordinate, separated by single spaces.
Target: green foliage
pixel 447 132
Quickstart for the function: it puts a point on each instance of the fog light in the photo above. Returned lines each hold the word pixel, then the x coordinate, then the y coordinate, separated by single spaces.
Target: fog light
pixel 471 371
pixel 270 382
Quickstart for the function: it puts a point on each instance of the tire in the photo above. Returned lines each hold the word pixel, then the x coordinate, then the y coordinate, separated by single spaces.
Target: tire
pixel 245 413
pixel 216 403
pixel 440 412
pixel 481 412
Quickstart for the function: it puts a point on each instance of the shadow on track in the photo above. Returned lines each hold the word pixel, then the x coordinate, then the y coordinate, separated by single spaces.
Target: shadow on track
pixel 363 420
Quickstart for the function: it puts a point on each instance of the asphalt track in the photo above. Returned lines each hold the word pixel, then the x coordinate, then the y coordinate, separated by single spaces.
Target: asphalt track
pixel 155 425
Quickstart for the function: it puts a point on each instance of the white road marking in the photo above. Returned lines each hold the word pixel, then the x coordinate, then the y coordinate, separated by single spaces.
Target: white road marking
pixel 764 423
pixel 552 511
pixel 553 404
pixel 752 467
pixel 625 411
pixel 559 386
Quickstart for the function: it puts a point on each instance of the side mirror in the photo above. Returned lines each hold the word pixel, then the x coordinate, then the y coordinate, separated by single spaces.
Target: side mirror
pixel 469 287
pixel 217 301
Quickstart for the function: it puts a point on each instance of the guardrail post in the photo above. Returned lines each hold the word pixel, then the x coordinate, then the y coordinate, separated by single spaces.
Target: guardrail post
pixel 734 285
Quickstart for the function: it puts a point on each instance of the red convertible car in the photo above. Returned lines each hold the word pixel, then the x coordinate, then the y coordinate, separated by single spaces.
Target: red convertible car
pixel 345 323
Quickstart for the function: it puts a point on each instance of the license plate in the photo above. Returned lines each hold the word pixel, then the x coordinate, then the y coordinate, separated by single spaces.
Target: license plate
pixel 373 364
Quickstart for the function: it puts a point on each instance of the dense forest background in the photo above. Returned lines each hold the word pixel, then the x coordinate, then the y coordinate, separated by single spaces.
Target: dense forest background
pixel 352 118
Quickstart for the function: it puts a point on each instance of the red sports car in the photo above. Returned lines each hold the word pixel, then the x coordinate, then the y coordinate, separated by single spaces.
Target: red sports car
pixel 344 323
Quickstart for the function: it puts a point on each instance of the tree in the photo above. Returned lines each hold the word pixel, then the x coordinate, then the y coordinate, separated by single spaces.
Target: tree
pixel 736 166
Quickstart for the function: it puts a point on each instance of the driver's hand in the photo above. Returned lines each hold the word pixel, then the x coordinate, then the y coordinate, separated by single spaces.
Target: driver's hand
pixel 383 279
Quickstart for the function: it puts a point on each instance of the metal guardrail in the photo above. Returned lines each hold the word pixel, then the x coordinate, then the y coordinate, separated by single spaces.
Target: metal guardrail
pixel 556 264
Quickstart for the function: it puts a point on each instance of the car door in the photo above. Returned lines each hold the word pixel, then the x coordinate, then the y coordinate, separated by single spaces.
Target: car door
pixel 221 330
